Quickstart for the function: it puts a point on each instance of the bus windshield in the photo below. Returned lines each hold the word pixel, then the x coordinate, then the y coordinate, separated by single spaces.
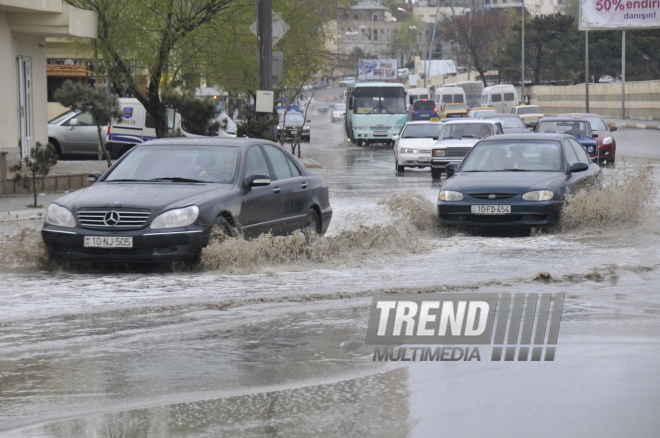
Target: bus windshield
pixel 379 100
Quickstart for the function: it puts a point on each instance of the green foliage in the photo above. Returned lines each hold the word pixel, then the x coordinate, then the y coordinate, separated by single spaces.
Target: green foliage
pixel 101 105
pixel 30 169
pixel 198 115
pixel 256 127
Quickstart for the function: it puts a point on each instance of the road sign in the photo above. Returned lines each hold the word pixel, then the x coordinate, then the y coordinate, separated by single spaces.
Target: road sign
pixel 279 28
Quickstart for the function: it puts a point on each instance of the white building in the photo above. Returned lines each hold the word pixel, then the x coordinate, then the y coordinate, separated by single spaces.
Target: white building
pixel 24 26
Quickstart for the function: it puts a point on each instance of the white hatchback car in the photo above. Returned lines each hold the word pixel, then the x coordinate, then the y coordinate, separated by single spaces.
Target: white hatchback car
pixel 412 147
pixel 338 112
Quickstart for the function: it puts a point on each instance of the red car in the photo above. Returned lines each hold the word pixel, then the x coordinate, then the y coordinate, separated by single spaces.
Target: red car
pixel 606 143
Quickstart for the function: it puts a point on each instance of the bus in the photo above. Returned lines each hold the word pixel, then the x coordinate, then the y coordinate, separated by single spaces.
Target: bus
pixel 375 112
pixel 473 90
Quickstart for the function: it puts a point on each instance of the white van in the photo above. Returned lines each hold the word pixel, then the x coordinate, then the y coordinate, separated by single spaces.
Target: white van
pixel 138 126
pixel 416 94
pixel 501 97
pixel 449 95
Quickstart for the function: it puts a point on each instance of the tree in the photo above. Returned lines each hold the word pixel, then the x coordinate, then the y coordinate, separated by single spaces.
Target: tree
pixel 198 116
pixel 482 35
pixel 101 105
pixel 31 168
pixel 152 33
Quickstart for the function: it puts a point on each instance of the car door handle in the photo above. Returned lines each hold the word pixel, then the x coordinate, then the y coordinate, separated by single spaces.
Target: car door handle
pixel 303 185
pixel 277 190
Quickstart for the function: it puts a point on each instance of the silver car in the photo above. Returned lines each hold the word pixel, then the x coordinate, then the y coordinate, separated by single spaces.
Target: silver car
pixel 338 112
pixel 74 133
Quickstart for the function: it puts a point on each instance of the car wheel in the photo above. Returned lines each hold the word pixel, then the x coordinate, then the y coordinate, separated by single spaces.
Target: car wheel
pixel 221 226
pixel 53 146
pixel 312 221
pixel 436 173
pixel 398 168
pixel 611 161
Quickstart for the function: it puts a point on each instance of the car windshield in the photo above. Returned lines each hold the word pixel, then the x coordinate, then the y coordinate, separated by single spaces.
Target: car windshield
pixel 509 122
pixel 424 105
pixel 466 130
pixel 177 163
pixel 454 107
pixel 597 124
pixel 427 130
pixel 61 118
pixel 294 119
pixel 580 128
pixel 528 110
pixel 340 107
pixel 479 113
pixel 514 155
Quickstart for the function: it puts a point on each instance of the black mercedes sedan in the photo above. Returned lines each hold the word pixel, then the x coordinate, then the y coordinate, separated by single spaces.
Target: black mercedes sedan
pixel 515 181
pixel 160 201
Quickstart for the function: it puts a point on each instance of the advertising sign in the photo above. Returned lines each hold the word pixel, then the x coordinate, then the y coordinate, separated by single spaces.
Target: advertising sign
pixel 619 14
pixel 377 69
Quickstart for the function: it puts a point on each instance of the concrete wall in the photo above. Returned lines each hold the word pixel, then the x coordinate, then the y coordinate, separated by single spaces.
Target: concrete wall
pixel 642 99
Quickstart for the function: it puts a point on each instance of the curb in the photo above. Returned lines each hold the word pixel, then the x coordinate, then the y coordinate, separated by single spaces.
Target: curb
pixel 633 125
pixel 21 215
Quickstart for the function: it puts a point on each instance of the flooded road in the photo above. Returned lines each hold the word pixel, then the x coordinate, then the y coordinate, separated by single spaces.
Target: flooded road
pixel 266 338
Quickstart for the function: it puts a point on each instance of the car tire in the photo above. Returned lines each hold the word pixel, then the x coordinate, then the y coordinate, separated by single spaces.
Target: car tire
pixel 312 221
pixel 611 161
pixel 398 168
pixel 222 226
pixel 436 173
pixel 55 147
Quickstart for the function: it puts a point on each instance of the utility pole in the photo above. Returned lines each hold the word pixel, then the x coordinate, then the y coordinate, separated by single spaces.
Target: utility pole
pixel 586 68
pixel 623 75
pixel 523 50
pixel 265 33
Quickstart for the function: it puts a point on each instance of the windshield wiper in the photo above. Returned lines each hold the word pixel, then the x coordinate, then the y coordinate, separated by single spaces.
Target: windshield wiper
pixel 176 179
pixel 125 180
pixel 450 138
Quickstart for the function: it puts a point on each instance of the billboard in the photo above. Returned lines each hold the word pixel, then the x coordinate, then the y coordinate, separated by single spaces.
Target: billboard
pixel 619 14
pixel 377 69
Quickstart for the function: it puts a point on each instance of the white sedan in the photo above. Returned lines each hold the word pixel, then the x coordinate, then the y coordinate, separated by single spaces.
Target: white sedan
pixel 412 148
pixel 338 112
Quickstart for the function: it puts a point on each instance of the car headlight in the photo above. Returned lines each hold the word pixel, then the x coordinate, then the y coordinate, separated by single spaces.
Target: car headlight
pixel 409 151
pixel 608 140
pixel 179 217
pixel 539 195
pixel 60 216
pixel 448 195
pixel 439 152
pixel 590 149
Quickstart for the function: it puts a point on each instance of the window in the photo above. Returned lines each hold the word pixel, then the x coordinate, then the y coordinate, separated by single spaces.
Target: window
pixel 374 17
pixel 375 34
pixel 85 119
pixel 570 153
pixel 508 97
pixel 279 161
pixel 496 97
pixel 356 18
pixel 582 155
pixel 149 121
pixel 256 163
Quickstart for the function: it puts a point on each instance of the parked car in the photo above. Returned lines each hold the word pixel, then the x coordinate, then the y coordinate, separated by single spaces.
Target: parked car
pixel 514 181
pixel 412 148
pixel 293 123
pixel 456 139
pixel 348 80
pixel 452 110
pixel 320 85
pixel 606 143
pixel 423 109
pixel 511 123
pixel 75 133
pixel 580 128
pixel 161 200
pixel 530 114
pixel 338 112
pixel 480 111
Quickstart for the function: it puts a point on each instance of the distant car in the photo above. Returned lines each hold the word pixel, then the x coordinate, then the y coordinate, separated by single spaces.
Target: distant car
pixel 580 128
pixel 320 85
pixel 530 114
pixel 322 107
pixel 412 148
pixel 479 112
pixel 161 201
pixel 453 110
pixel 292 124
pixel 338 112
pixel 606 143
pixel 511 123
pixel 331 101
pixel 348 80
pixel 515 181
pixel 75 133
pixel 423 109
pixel 456 139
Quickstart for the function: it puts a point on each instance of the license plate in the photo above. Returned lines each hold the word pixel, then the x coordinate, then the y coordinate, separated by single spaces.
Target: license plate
pixel 108 242
pixel 490 209
pixel 424 159
pixel 380 134
pixel 294 131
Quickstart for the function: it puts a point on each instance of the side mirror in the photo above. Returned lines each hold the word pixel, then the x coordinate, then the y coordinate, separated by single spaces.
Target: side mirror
pixel 395 137
pixel 579 167
pixel 595 135
pixel 257 180
pixel 613 128
pixel 451 169
pixel 73 122
pixel 94 176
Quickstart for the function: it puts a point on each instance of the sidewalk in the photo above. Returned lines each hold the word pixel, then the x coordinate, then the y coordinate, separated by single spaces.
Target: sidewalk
pixel 632 123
